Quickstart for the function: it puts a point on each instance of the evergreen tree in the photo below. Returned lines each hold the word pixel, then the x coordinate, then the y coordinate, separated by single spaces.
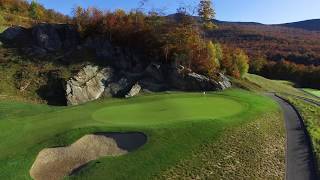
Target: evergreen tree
pixel 34 10
pixel 207 13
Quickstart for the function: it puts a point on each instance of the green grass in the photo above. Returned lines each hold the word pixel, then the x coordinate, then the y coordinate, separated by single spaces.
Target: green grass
pixel 273 85
pixel 315 92
pixel 260 84
pixel 177 125
pixel 2 28
pixel 253 150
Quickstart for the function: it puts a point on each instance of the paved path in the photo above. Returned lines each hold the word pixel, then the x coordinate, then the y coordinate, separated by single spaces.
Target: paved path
pixel 300 162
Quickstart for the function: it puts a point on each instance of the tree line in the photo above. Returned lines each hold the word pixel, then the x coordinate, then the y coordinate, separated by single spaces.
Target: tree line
pixel 302 75
pixel 182 40
pixel 22 12
pixel 179 40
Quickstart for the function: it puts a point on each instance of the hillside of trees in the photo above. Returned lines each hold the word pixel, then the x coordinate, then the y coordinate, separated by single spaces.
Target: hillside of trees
pixel 197 43
pixel 24 13
pixel 274 51
pixel 159 39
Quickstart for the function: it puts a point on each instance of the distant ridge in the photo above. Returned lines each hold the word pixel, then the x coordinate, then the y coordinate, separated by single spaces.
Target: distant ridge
pixel 310 25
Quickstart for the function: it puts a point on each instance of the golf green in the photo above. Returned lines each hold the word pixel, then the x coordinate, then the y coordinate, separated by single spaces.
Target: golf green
pixel 168 108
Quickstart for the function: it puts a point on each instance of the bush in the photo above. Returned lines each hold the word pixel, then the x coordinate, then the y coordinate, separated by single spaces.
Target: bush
pixel 2 20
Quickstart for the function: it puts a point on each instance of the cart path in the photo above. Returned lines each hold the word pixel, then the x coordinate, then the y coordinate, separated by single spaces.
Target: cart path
pixel 300 161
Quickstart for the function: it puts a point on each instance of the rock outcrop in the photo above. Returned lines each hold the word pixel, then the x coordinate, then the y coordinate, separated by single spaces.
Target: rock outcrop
pixel 127 72
pixel 87 85
pixel 42 38
pixel 91 83
pixel 117 89
pixel 182 78
pixel 15 36
pixel 135 90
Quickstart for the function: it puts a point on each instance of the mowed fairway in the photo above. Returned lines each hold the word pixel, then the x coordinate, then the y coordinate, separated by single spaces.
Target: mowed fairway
pixel 176 124
pixel 313 91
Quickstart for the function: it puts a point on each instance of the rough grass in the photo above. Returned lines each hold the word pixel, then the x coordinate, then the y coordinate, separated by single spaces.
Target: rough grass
pixel 268 85
pixel 36 69
pixel 258 154
pixel 260 84
pixel 27 132
pixel 311 117
pixel 16 20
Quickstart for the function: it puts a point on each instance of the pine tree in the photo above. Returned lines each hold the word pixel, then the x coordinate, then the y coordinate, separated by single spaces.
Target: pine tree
pixel 34 12
pixel 207 13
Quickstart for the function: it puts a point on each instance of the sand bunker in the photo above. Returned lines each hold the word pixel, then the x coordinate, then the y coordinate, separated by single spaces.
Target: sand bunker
pixel 56 163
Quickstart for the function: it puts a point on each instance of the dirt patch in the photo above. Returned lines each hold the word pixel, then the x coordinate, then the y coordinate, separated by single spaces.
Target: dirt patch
pixel 56 163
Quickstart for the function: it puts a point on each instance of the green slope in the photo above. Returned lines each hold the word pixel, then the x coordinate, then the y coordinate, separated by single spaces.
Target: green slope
pixel 176 125
pixel 313 91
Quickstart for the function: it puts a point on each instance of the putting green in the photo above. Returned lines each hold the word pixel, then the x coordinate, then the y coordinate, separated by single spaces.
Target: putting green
pixel 170 108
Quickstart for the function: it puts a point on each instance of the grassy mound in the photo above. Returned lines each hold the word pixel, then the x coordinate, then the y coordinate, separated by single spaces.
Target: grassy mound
pixel 177 125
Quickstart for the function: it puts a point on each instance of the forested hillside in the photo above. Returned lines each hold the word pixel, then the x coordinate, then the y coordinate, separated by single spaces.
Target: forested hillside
pixel 275 51
pixel 21 12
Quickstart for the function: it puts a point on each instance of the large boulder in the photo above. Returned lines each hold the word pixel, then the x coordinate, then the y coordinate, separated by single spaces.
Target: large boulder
pixel 87 85
pixel 117 89
pixel 135 90
pixel 224 82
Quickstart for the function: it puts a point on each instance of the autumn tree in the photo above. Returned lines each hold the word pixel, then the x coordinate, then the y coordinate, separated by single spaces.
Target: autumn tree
pixel 235 62
pixel 242 62
pixel 207 13
pixel 257 63
pixel 214 54
pixel 184 45
pixel 2 20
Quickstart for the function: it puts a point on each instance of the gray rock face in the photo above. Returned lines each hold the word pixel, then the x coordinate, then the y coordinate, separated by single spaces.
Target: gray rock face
pixel 15 35
pixel 87 85
pixel 12 32
pixel 117 89
pixel 120 58
pixel 46 36
pixel 154 71
pixel 182 78
pixel 135 90
pixel 54 37
pixel 224 82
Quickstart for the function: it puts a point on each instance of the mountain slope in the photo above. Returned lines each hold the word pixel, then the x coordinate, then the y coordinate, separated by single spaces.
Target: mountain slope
pixel 310 25
pixel 272 42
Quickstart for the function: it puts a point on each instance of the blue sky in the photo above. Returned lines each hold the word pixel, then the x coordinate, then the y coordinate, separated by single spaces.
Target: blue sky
pixel 264 11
